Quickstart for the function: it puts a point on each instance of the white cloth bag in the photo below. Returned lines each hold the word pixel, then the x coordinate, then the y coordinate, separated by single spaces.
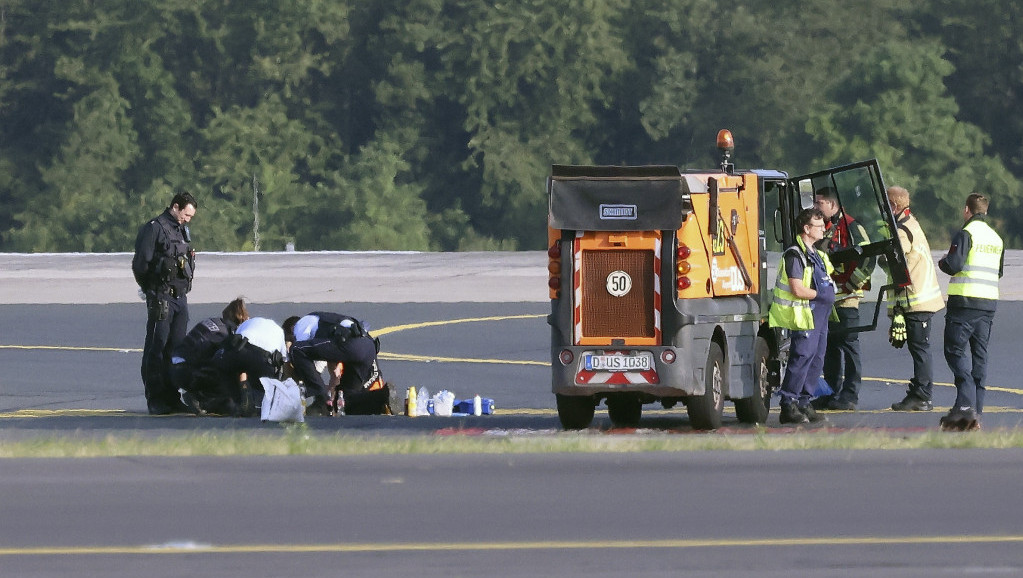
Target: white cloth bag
pixel 282 400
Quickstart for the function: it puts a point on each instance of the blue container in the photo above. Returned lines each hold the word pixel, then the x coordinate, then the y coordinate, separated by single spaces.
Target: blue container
pixel 465 406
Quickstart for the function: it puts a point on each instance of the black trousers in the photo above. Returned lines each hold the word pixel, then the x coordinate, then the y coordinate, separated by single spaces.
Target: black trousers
pixel 918 340
pixel 166 326
pixel 356 353
pixel 842 367
pixel 218 386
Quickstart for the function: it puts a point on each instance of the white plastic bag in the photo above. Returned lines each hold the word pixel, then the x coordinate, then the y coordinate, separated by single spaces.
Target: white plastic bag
pixel 444 403
pixel 282 401
pixel 423 401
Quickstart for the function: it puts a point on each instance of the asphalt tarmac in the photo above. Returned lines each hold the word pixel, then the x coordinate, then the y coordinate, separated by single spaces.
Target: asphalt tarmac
pixel 874 513
pixel 472 323
pixel 482 331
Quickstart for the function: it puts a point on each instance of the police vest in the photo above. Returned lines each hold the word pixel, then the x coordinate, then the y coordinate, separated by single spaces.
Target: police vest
pixel 203 340
pixel 923 293
pixel 330 326
pixel 174 264
pixel 979 277
pixel 788 311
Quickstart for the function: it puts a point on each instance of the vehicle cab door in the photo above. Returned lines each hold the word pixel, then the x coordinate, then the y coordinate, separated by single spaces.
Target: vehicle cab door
pixel 861 195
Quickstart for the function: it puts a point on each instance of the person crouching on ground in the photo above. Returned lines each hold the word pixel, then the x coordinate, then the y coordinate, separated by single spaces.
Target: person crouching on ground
pixel 351 355
pixel 230 384
pixel 196 350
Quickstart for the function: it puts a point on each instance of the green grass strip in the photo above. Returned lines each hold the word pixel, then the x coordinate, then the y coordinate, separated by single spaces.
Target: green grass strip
pixel 298 440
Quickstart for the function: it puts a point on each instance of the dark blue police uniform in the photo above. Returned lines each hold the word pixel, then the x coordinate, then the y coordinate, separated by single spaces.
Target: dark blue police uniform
pixel 163 266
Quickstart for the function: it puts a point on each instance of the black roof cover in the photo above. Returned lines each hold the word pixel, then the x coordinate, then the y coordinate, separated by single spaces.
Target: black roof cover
pixel 608 198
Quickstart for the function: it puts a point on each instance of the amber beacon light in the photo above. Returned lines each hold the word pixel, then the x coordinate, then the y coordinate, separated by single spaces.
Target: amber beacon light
pixel 726 144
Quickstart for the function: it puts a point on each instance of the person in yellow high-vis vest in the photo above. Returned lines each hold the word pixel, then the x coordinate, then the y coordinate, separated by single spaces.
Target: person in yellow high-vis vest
pixel 919 301
pixel 803 298
pixel 975 261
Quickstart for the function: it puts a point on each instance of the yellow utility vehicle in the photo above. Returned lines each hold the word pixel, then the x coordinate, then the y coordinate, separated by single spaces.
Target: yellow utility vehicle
pixel 660 286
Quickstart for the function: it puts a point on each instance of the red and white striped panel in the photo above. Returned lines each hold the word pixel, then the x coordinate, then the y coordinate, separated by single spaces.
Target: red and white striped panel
pixel 577 286
pixel 586 377
pixel 657 290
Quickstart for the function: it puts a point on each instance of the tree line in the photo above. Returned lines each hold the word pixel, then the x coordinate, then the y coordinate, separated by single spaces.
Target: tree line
pixel 432 124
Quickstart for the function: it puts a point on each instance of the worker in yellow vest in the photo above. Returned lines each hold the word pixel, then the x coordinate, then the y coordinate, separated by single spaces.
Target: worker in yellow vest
pixel 804 295
pixel 975 261
pixel 918 302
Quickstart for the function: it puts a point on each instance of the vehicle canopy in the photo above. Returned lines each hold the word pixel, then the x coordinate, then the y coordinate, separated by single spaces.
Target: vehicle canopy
pixel 608 198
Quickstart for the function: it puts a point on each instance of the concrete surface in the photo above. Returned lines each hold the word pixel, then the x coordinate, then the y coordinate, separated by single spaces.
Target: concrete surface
pixel 315 277
pixel 323 277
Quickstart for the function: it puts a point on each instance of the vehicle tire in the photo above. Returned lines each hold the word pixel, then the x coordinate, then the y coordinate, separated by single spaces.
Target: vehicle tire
pixel 705 410
pixel 624 410
pixel 575 411
pixel 754 409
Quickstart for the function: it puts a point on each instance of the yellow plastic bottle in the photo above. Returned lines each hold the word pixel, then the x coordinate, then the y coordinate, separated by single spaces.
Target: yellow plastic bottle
pixel 410 402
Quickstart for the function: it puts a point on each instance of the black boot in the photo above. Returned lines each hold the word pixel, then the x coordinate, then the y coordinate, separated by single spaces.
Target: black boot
pixel 790 414
pixel 912 403
pixel 960 419
pixel 811 415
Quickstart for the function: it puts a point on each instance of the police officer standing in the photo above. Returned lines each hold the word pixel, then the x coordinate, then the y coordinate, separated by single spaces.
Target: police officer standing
pixel 163 266
pixel 804 295
pixel 919 301
pixel 975 261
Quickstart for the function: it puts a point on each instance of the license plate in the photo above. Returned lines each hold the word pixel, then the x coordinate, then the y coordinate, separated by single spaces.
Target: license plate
pixel 617 362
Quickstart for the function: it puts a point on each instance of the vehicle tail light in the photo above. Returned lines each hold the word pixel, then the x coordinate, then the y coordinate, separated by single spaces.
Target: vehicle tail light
pixel 566 357
pixel 683 266
pixel 554 267
pixel 668 356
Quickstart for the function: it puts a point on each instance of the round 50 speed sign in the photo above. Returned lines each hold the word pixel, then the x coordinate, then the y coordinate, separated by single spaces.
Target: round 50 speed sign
pixel 619 283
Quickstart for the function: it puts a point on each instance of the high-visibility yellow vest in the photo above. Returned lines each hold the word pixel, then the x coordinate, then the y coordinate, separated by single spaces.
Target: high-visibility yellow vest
pixel 979 277
pixel 787 310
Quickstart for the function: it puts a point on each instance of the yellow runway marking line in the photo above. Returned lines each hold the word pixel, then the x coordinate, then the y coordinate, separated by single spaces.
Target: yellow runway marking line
pixel 396 328
pixel 438 359
pixel 941 383
pixel 434 358
pixel 72 348
pixel 196 548
pixel 70 413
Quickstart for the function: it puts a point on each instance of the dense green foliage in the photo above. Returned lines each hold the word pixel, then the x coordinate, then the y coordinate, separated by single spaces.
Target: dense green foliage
pixel 432 124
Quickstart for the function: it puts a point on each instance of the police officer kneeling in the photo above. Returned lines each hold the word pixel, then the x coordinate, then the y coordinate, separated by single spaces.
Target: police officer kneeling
pixel 339 339
pixel 196 351
pixel 230 385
